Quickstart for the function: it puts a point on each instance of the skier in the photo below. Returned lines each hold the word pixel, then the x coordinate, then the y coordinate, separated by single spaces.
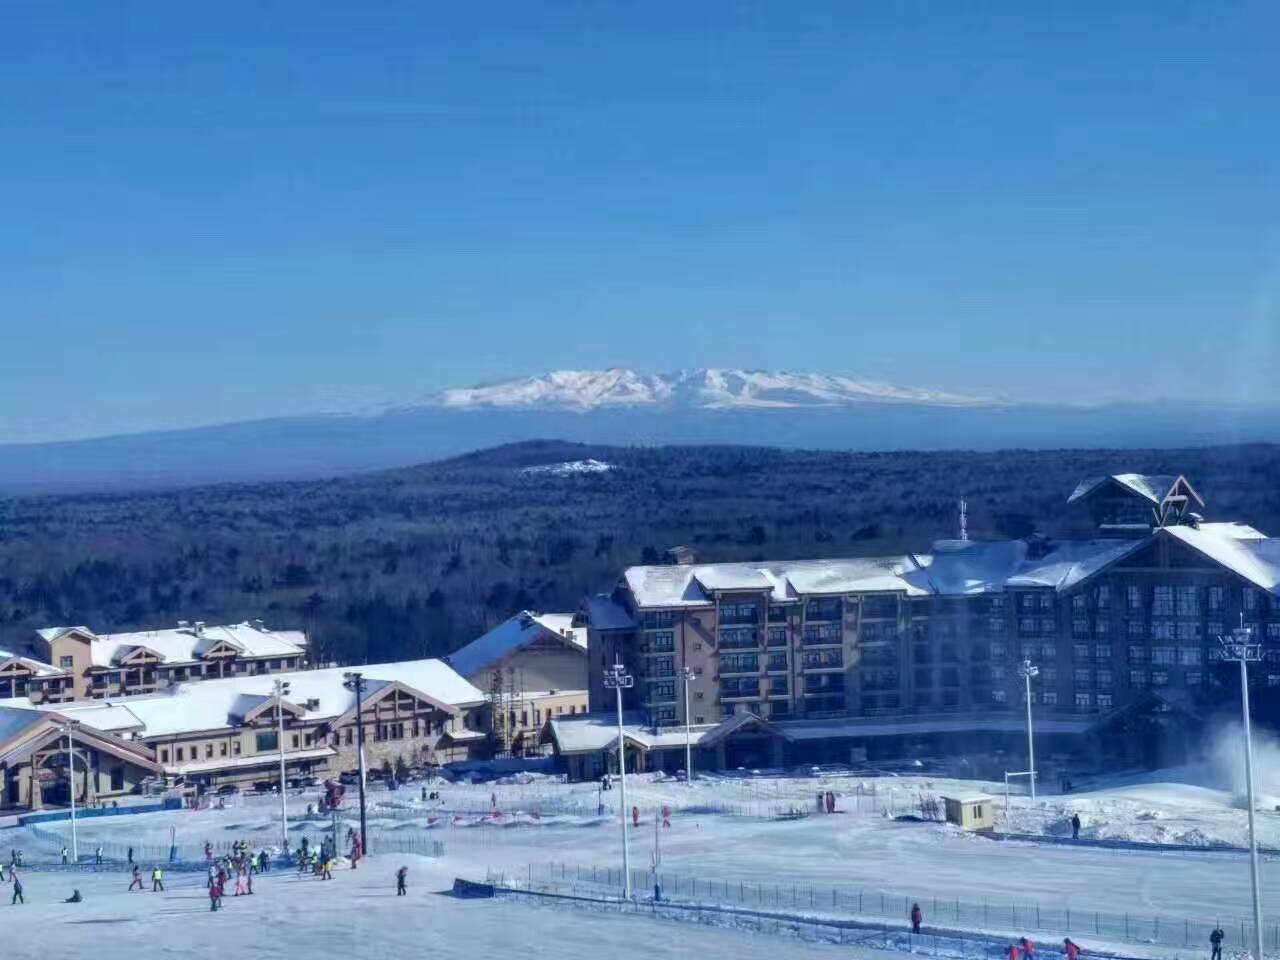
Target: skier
pixel 211 876
pixel 1012 953
pixel 1215 941
pixel 917 917
pixel 1075 826
pixel 64 856
pixel 130 855
pixel 1028 948
pixel 1070 949
pixel 326 872
pixel 401 875
pixel 157 879
pixel 17 890
pixel 239 883
pixel 74 898
pixel 97 855
pixel 264 861
pixel 137 879
pixel 208 850
pixel 215 897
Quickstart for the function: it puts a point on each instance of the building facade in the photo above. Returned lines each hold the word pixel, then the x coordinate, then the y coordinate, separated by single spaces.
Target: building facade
pixel 1122 626
pixel 66 664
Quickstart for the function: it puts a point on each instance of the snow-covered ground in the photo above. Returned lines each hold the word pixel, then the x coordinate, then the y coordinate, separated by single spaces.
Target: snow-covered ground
pixel 724 829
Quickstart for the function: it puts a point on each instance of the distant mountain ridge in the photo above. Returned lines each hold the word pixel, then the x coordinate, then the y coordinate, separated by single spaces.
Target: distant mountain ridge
pixel 707 388
pixel 617 407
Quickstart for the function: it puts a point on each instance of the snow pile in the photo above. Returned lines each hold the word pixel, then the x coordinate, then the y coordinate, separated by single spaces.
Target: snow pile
pixel 1226 761
pixel 570 468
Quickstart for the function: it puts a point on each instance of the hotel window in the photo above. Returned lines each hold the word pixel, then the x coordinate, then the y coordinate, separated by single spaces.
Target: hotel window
pixel 999 696
pixel 1104 701
pixel 1046 601
pixel 164 756
pixel 1136 630
pixel 1101 628
pixel 235 748
pixel 1081 651
pixel 1250 600
pixel 1103 595
pixel 739 613
pixel 1027 603
pixel 415 724
pixel 657 619
pixel 1049 674
pixel 1083 700
pixel 222 749
pixel 1078 603
pixel 1215 599
pixel 1048 625
pixel 177 755
pixel 999 651
pixel 740 663
pixel 1049 697
pixel 1080 627
pixel 1189 656
pixel 777 613
pixel 995 624
pixel 1164 656
pixel 1188 631
pixel 1103 678
pixel 663 667
pixel 1026 651
pixel 1102 651
pixel 294 740
pixel 208 751
pixel 777 636
pixel 307 740
pixel 1185 602
pixel 997 673
pixel 66 663
pixel 1214 628
pixel 1026 624
pixel 822 633
pixel 266 740
pixel 1194 679
pixel 826 608
pixel 1273 631
pixel 1162 631
pixel 1081 678
pixel 662 641
pixel 348 736
pixel 1133 598
pixel 1159 678
pixel 1137 678
pixel 1162 601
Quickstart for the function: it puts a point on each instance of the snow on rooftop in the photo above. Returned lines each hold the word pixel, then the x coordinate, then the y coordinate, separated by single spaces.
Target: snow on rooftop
pixel 185 644
pixel 1255 559
pixel 605 613
pixel 513 634
pixel 210 704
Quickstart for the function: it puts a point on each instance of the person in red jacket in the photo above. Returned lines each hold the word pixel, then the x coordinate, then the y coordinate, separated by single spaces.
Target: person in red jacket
pixel 1070 949
pixel 917 917
pixel 1013 952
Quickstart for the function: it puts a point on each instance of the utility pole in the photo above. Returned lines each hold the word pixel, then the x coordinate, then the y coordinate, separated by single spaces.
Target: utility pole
pixel 71 787
pixel 281 688
pixel 1241 648
pixel 617 678
pixel 356 682
pixel 687 673
pixel 1027 670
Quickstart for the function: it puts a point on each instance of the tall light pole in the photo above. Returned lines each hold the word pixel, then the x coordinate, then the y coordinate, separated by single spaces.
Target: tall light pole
pixel 1027 670
pixel 281 688
pixel 617 678
pixel 687 674
pixel 66 728
pixel 356 682
pixel 1241 648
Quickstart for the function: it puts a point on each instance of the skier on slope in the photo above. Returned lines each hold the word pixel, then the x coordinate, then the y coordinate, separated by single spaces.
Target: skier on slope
pixel 401 875
pixel 1075 826
pixel 157 879
pixel 1215 941
pixel 917 917
pixel 1071 950
pixel 1012 952
pixel 137 879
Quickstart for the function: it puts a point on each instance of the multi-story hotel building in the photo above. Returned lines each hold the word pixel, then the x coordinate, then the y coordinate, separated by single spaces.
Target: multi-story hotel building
pixel 839 657
pixel 64 664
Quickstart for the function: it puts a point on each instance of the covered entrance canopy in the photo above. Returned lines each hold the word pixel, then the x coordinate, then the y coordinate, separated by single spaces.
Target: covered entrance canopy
pixel 36 769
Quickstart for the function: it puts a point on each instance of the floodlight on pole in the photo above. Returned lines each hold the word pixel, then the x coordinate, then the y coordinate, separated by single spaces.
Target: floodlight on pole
pixel 688 674
pixel 1242 648
pixel 1027 670
pixel 356 682
pixel 617 679
pixel 281 688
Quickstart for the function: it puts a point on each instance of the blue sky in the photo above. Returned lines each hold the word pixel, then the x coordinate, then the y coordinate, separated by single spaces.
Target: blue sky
pixel 214 212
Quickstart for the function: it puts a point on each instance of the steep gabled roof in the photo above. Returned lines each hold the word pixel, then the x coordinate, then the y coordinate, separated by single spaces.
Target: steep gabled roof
pixel 516 633
pixel 1155 488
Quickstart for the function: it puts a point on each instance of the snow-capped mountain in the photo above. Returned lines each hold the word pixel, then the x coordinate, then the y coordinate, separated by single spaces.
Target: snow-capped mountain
pixel 711 389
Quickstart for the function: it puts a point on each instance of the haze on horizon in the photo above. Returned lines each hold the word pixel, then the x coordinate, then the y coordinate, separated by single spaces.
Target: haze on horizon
pixel 230 214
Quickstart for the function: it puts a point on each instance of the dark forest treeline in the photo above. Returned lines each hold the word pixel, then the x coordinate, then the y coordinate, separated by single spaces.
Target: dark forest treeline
pixel 415 562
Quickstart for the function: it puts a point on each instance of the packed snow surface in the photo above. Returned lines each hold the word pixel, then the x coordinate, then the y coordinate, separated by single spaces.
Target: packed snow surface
pixel 570 468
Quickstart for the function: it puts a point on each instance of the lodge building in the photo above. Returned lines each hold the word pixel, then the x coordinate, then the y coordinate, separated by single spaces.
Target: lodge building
pixel 838 659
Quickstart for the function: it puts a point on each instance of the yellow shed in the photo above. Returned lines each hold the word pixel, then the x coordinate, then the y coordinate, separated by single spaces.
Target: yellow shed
pixel 973 812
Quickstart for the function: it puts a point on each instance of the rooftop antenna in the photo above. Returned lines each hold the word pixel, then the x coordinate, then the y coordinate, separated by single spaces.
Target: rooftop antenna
pixel 964 519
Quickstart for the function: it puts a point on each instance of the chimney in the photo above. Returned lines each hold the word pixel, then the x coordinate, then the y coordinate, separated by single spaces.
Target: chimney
pixel 681 556
pixel 260 625
pixel 199 628
pixel 183 624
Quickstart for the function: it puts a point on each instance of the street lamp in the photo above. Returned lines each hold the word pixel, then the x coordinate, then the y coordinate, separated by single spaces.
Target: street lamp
pixel 1027 670
pixel 356 682
pixel 281 688
pixel 687 673
pixel 1241 648
pixel 617 679
pixel 66 727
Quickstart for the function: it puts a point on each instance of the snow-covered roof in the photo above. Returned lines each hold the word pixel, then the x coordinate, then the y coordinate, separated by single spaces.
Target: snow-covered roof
pixel 1251 557
pixel 1067 562
pixel 186 644
pixel 38 667
pixel 260 760
pixel 14 720
pixel 515 633
pixel 108 716
pixel 1152 487
pixel 665 586
pixel 605 613
pixel 212 704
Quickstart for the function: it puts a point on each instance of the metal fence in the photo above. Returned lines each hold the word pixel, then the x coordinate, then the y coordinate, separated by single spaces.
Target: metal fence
pixel 993 914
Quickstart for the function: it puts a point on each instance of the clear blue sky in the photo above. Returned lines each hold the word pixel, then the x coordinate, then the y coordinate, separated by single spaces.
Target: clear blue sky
pixel 220 211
